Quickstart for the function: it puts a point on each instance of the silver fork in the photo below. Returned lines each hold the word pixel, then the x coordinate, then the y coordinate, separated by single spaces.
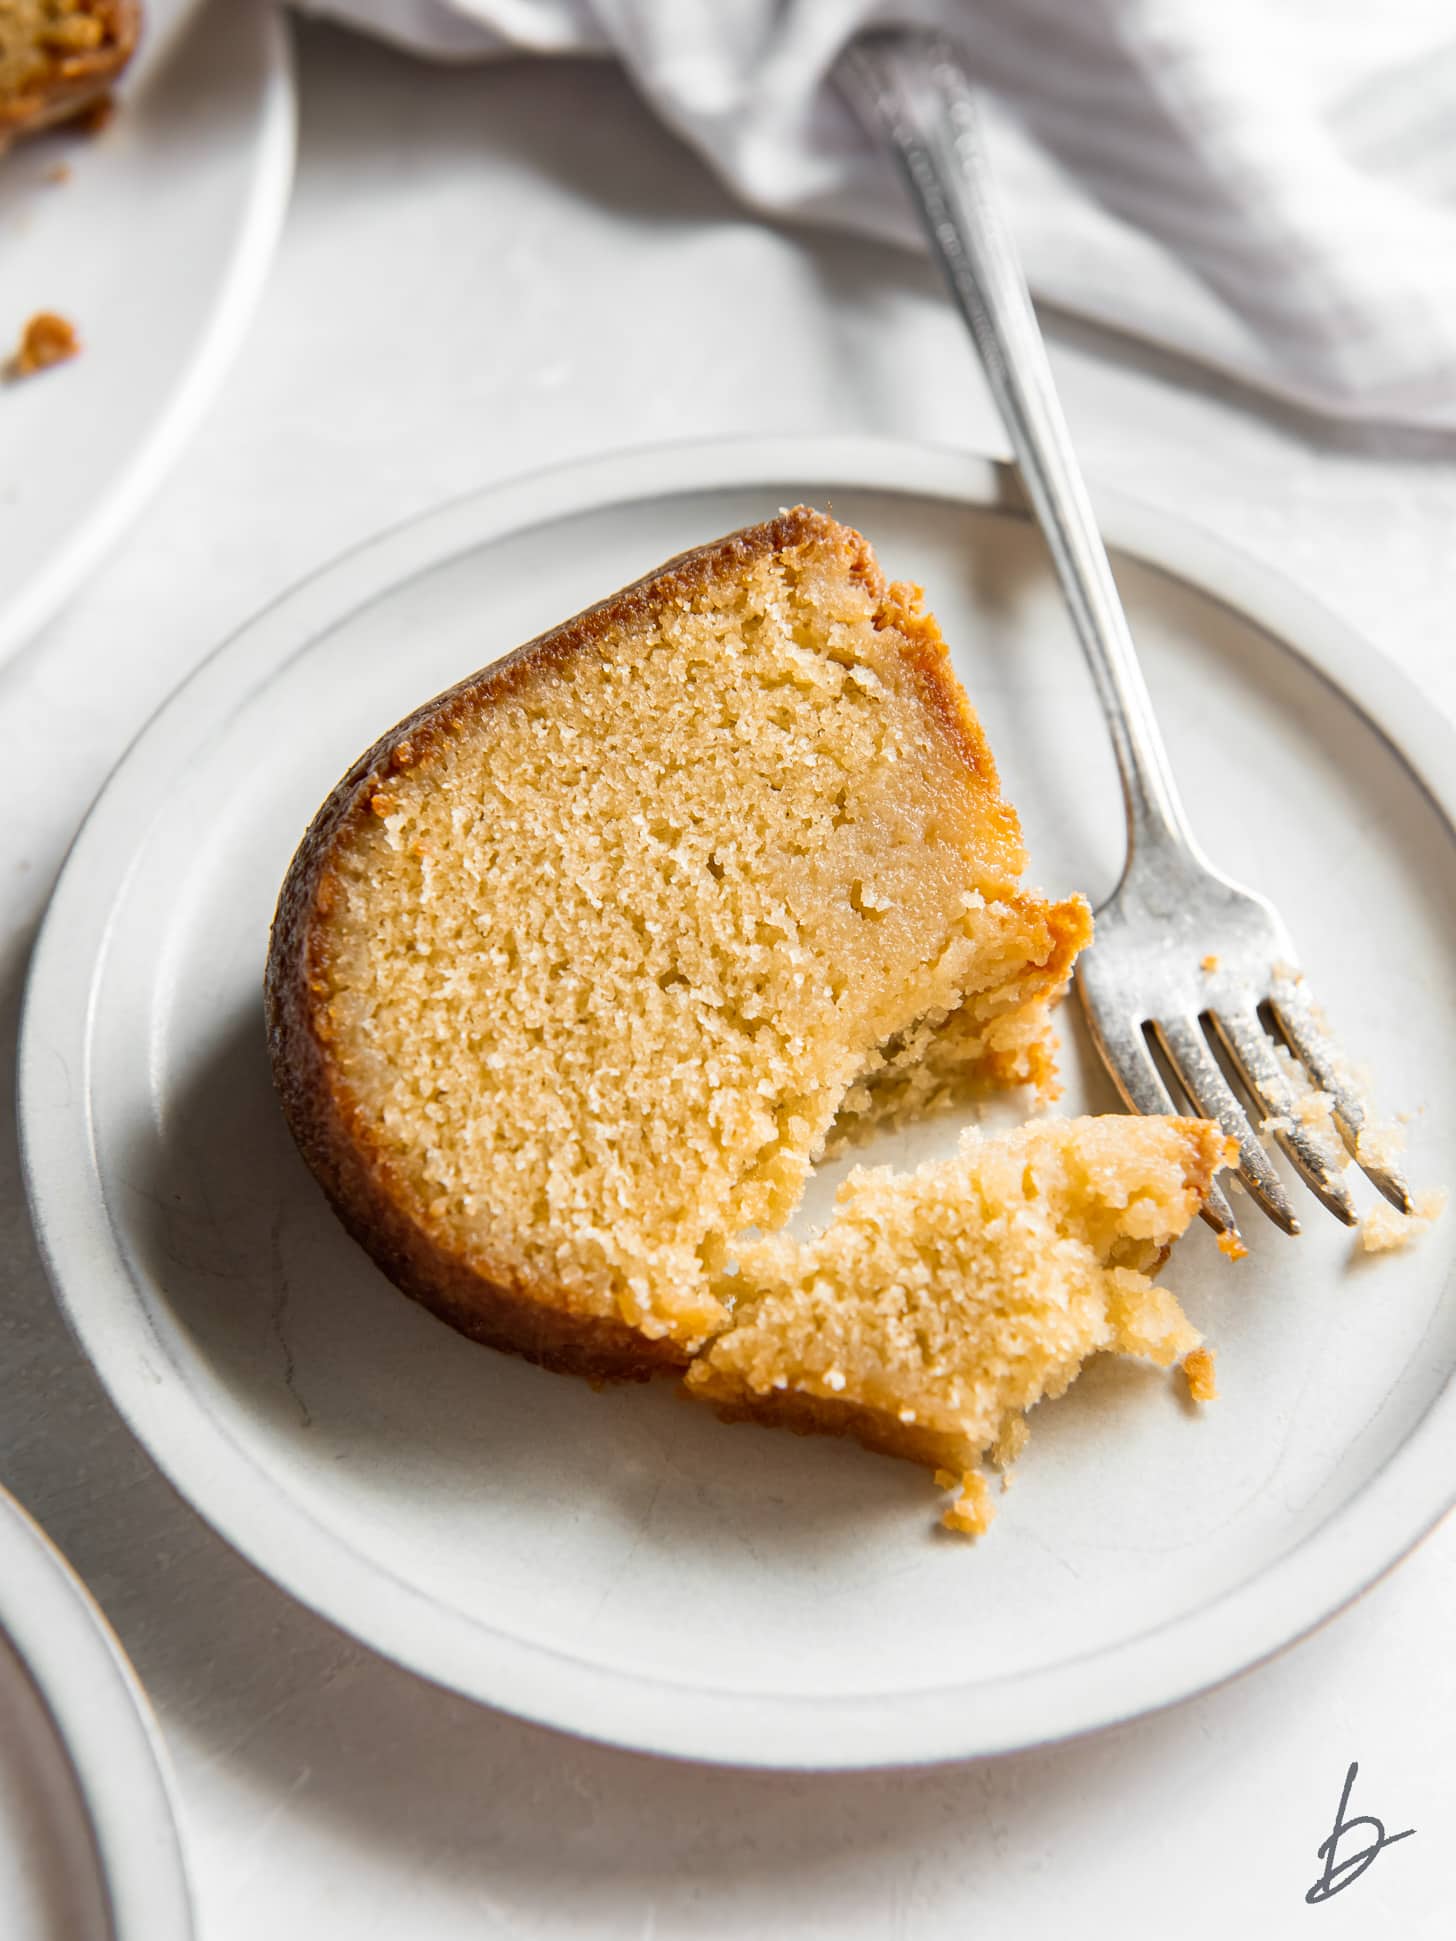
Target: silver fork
pixel 1183 961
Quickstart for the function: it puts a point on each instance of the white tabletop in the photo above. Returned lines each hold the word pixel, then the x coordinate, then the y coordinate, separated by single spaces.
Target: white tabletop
pixel 485 272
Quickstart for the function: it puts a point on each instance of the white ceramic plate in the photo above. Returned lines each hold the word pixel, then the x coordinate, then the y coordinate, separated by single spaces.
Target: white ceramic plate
pixel 621 1564
pixel 87 1842
pixel 156 247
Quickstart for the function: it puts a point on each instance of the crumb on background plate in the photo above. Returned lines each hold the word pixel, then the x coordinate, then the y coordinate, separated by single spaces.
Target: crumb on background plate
pixel 47 339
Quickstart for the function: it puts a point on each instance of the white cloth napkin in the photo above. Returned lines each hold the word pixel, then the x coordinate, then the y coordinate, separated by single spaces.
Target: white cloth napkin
pixel 1268 186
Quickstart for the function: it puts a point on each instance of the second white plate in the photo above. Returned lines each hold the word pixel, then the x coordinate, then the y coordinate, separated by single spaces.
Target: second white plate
pixel 88 1846
pixel 156 247
pixel 620 1564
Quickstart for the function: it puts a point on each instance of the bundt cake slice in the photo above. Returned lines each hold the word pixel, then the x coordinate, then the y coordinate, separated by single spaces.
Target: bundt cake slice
pixel 576 967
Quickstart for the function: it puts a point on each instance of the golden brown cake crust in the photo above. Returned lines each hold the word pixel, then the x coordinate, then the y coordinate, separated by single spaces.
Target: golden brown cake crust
pixel 491 1301
pixel 816 1415
pixel 68 81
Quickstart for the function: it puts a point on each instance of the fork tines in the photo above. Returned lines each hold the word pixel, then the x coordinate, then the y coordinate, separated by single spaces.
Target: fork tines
pixel 1250 1032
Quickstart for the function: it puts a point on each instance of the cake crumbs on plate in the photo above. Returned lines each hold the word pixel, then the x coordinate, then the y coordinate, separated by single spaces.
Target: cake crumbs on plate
pixel 1230 1245
pixel 1198 1373
pixel 1380 1145
pixel 1383 1230
pixel 47 339
pixel 973 1512
pixel 1209 964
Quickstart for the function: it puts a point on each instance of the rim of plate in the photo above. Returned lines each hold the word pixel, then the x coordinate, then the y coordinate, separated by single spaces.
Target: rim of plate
pixel 255 1513
pixel 102 1717
pixel 233 309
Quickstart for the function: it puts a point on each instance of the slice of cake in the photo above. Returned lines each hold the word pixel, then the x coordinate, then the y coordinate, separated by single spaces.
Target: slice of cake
pixel 58 58
pixel 937 1307
pixel 576 967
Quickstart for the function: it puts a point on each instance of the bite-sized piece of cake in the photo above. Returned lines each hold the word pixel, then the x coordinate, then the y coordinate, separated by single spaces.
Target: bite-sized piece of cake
pixel 575 968
pixel 938 1306
pixel 58 58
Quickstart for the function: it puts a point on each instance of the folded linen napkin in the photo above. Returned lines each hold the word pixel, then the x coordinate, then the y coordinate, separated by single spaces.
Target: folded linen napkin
pixel 1268 186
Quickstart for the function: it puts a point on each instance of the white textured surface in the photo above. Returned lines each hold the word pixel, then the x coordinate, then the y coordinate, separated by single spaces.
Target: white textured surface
pixel 481 273
pixel 1225 191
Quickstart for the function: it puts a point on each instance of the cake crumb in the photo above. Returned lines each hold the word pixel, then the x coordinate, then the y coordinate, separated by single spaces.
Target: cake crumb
pixel 1209 964
pixel 1316 1111
pixel 1313 1112
pixel 1230 1245
pixel 1384 1230
pixel 1198 1373
pixel 1381 1146
pixel 47 339
pixel 1012 1441
pixel 973 1512
pixel 58 172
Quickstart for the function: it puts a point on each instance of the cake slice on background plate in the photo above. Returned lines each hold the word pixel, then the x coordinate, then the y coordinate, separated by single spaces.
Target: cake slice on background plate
pixel 58 59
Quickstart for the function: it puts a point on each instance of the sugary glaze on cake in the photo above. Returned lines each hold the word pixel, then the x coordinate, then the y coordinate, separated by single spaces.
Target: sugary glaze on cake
pixel 575 969
pixel 937 1307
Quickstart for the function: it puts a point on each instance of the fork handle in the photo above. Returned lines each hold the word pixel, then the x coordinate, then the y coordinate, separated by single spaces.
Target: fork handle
pixel 913 87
